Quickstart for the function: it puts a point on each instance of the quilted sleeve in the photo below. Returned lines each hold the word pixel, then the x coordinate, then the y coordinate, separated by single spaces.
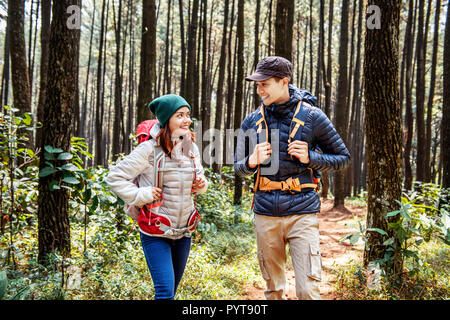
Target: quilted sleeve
pixel 199 168
pixel 242 153
pixel 335 155
pixel 121 177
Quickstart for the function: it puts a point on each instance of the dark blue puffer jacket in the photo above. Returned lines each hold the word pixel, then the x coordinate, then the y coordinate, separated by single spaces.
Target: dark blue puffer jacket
pixel 318 132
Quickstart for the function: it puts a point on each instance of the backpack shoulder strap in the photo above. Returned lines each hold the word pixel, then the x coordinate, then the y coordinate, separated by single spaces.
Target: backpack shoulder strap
pixel 261 125
pixel 298 121
pixel 158 163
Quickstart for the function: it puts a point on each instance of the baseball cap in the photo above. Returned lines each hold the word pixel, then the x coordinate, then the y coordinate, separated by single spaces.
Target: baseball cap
pixel 273 66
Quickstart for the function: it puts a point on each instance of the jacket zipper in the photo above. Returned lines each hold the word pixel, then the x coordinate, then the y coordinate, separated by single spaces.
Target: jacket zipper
pixel 277 192
pixel 180 214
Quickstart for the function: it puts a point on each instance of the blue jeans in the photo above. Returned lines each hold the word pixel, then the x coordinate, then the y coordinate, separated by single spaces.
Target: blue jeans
pixel 166 259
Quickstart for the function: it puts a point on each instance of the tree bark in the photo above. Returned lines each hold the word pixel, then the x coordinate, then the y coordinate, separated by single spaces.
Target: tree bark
pixel 239 92
pixel 408 99
pixel 147 78
pixel 283 28
pixel 356 105
pixel 320 51
pixel 445 123
pixel 383 126
pixel 341 103
pixel 191 60
pixel 6 67
pixel 183 50
pixel 311 61
pixel 46 8
pixel 99 147
pixel 19 68
pixel 328 87
pixel 420 96
pixel 230 78
pixel 53 212
pixel 428 161
pixel 221 81
pixel 269 44
pixel 167 82
pixel 118 108
pixel 256 98
pixel 206 76
pixel 86 88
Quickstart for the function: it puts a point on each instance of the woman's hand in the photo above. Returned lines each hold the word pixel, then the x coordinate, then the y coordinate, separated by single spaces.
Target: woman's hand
pixel 156 193
pixel 198 184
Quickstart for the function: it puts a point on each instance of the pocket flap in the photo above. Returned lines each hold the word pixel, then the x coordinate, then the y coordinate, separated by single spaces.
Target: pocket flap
pixel 315 263
pixel 314 251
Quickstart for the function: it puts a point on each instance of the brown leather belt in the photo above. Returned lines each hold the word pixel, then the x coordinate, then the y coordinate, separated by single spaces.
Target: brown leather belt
pixel 290 184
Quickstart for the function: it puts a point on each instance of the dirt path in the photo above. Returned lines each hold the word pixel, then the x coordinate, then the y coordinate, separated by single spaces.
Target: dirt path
pixel 333 225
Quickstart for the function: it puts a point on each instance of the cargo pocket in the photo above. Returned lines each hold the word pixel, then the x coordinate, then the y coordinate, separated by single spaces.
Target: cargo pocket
pixel 315 263
pixel 262 266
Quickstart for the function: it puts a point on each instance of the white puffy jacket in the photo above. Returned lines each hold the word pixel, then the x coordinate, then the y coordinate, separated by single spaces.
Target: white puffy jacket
pixel 177 177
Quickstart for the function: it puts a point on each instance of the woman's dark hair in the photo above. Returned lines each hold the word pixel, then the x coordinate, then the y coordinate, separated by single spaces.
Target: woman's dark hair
pixel 165 140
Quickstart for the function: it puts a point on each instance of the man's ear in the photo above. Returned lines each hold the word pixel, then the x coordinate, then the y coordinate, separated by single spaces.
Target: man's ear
pixel 285 81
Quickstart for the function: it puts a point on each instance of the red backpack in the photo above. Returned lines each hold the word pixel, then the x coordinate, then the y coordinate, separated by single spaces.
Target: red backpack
pixel 143 130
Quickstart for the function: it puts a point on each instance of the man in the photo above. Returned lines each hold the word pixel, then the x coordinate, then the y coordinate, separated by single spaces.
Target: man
pixel 292 142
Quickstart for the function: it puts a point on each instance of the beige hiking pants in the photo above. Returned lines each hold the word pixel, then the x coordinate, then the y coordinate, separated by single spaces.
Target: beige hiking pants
pixel 302 233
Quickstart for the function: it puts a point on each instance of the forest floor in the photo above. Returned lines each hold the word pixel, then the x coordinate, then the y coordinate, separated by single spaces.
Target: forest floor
pixel 334 223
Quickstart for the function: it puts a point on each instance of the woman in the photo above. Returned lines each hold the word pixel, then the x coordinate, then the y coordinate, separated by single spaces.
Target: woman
pixel 167 169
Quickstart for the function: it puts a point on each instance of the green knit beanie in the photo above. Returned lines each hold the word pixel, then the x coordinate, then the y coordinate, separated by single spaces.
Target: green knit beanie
pixel 165 106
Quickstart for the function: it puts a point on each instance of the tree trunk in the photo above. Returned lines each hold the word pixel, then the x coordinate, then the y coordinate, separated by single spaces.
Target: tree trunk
pixel 183 50
pixel 147 79
pixel 356 105
pixel 166 86
pixel 320 51
pixel 220 83
pixel 341 103
pixel 420 96
pixel 53 212
pixel 311 61
pixel 269 44
pixel 33 50
pixel 99 147
pixel 428 161
pixel 305 41
pixel 445 123
pixel 118 111
pixel 19 68
pixel 239 92
pixel 256 99
pixel 206 76
pixel 6 69
pixel 190 94
pixel 84 105
pixel 230 79
pixel 283 28
pixel 408 99
pixel 45 36
pixel 131 80
pixel 328 87
pixel 383 126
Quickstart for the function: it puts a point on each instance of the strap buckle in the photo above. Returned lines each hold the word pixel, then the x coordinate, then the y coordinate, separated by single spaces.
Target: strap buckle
pixel 285 186
pixel 291 185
